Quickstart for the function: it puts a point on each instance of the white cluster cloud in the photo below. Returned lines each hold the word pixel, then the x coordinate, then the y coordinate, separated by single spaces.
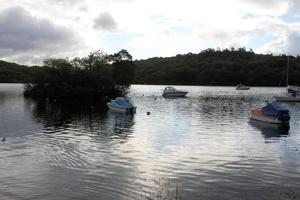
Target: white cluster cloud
pixel 288 44
pixel 32 29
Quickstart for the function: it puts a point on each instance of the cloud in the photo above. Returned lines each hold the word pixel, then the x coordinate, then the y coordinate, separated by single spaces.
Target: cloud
pixel 105 22
pixel 145 28
pixel 293 42
pixel 288 43
pixel 265 3
pixel 66 2
pixel 243 33
pixel 294 7
pixel 21 34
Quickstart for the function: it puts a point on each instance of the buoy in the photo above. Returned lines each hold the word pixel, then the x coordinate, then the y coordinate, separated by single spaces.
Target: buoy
pixel 154 98
pixel 148 113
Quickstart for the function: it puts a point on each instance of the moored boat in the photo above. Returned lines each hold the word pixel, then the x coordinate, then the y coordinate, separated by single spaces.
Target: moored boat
pixel 242 87
pixel 288 98
pixel 292 91
pixel 172 92
pixel 271 113
pixel 121 105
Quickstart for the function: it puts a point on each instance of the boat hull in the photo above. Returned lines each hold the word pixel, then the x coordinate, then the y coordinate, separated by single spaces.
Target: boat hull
pixel 258 115
pixel 243 88
pixel 266 119
pixel 121 110
pixel 293 89
pixel 287 98
pixel 175 94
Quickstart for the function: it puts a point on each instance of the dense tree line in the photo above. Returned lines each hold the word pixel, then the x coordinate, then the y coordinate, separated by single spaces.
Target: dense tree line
pixel 13 73
pixel 97 76
pixel 218 67
pixel 209 67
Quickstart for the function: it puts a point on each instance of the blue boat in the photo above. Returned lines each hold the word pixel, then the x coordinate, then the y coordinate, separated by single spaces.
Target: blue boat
pixel 271 113
pixel 121 105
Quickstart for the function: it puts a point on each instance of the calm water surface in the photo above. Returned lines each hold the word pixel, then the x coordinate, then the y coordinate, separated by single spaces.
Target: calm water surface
pixel 204 145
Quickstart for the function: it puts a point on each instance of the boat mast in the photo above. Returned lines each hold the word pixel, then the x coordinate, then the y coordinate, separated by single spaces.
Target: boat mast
pixel 287 71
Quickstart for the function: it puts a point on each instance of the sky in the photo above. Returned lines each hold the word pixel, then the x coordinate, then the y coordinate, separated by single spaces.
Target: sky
pixel 34 30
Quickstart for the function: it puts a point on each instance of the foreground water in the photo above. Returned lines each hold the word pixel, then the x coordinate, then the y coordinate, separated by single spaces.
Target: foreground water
pixel 199 147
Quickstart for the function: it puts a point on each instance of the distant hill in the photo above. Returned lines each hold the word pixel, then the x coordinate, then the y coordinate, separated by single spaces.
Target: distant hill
pixel 13 73
pixel 227 67
pixel 216 67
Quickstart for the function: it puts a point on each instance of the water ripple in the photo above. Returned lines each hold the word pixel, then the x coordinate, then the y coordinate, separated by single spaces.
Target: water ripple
pixel 204 145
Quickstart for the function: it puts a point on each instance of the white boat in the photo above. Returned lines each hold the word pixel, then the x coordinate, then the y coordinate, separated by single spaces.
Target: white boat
pixel 121 105
pixel 272 113
pixel 241 87
pixel 292 92
pixel 288 98
pixel 172 92
pixel 292 89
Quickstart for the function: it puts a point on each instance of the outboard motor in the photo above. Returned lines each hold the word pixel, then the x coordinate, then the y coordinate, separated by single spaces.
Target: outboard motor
pixel 131 110
pixel 276 110
pixel 284 116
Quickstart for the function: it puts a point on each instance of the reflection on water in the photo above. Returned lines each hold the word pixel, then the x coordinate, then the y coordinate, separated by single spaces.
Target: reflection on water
pixel 204 143
pixel 94 119
pixel 269 130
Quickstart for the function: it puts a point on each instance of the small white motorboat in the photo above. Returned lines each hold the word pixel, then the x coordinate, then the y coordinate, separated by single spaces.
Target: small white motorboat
pixel 172 92
pixel 242 87
pixel 271 113
pixel 121 105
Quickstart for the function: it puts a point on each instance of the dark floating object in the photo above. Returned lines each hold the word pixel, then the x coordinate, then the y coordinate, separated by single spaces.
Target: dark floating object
pixel 4 139
pixel 154 98
pixel 148 113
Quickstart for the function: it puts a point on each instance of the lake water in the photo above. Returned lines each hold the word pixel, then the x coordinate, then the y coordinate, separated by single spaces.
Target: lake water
pixel 199 147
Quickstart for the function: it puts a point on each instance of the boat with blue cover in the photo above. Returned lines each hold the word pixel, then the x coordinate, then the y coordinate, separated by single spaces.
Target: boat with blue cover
pixel 121 105
pixel 273 113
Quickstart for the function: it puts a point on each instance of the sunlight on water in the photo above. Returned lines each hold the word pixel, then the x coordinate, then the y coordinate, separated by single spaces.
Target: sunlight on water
pixel 204 144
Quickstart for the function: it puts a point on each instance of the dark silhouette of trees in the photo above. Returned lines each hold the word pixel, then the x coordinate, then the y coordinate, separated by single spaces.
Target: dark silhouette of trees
pixel 13 73
pixel 226 67
pixel 96 76
pixel 209 67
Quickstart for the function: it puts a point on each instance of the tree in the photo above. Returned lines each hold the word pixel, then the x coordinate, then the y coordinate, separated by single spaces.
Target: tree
pixel 91 77
pixel 122 55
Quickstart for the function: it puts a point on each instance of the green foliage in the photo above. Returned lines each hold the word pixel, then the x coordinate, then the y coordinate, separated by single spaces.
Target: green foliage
pixel 91 77
pixel 122 55
pixel 209 67
pixel 218 67
pixel 13 73
pixel 124 72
